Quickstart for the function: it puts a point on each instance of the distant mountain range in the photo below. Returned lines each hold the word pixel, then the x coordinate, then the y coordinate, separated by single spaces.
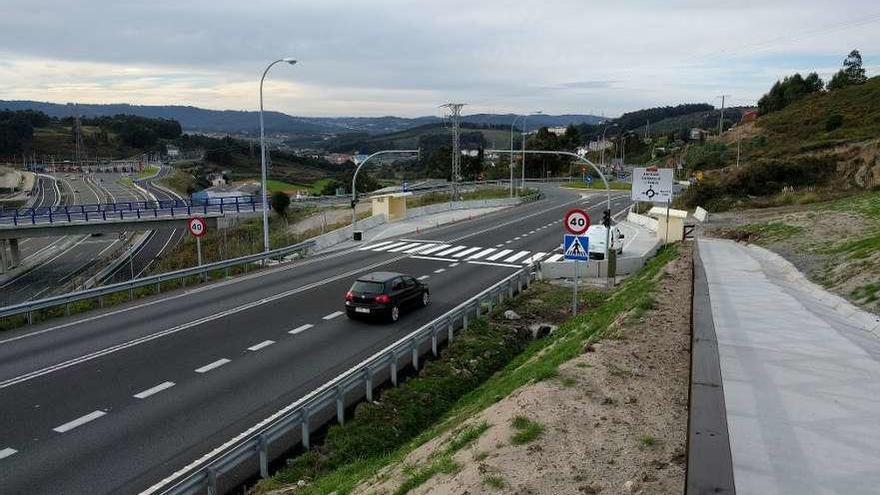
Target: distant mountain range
pixel 247 122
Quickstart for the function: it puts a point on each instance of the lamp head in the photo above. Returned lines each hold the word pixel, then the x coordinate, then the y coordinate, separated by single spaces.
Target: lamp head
pixel 291 61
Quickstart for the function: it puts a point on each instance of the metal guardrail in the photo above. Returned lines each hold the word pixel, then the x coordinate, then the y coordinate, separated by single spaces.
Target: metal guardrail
pixel 65 299
pixel 202 475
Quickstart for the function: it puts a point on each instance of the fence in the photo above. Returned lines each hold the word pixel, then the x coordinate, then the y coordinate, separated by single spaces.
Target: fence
pixel 154 280
pixel 203 475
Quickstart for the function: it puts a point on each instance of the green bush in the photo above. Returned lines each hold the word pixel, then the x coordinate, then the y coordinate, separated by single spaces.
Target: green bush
pixel 834 121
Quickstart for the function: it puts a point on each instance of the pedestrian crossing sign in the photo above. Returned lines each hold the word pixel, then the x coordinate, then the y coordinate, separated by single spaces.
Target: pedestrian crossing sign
pixel 575 247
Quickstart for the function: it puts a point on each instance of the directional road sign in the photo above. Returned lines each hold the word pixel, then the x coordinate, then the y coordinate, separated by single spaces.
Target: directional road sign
pixel 652 184
pixel 576 221
pixel 576 247
pixel 197 226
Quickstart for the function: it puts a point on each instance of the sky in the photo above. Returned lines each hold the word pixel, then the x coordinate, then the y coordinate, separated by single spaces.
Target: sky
pixel 405 58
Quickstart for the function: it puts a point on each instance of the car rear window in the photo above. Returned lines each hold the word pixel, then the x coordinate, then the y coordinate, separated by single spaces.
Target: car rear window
pixel 368 287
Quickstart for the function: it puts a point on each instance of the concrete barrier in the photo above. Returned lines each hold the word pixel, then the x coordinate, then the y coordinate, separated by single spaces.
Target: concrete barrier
pixel 345 233
pixel 643 246
pixel 645 221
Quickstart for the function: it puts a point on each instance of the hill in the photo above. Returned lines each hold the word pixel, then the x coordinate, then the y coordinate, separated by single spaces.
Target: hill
pixel 247 122
pixel 415 137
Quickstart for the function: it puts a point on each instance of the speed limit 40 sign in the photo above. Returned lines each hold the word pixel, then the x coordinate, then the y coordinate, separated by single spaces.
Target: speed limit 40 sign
pixel 576 221
pixel 197 226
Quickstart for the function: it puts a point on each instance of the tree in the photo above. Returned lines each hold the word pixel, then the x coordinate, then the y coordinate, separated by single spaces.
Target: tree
pixel 280 203
pixel 789 90
pixel 852 73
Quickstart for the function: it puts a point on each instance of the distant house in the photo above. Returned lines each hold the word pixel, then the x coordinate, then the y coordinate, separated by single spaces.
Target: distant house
pixel 749 116
pixel 172 151
pixel 338 158
pixel 226 194
pixel 559 131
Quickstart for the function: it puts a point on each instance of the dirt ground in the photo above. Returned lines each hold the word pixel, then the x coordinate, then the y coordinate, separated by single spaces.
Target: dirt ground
pixel 614 419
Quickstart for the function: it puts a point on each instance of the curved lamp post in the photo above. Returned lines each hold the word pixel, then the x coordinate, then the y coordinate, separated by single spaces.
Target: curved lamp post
pixel 355 176
pixel 264 191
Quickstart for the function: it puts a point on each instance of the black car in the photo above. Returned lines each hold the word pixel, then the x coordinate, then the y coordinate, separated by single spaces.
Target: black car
pixel 384 295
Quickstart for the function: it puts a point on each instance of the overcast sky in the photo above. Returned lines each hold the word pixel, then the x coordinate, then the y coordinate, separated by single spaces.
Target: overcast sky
pixel 388 57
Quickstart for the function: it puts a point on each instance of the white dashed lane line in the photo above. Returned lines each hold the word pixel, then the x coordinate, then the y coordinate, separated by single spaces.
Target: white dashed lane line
pixel 499 245
pixel 300 329
pixel 79 421
pixel 507 241
pixel 262 345
pixel 208 367
pixel 333 315
pixel 423 277
pixel 440 270
pixel 153 390
pixel 7 452
pixel 451 265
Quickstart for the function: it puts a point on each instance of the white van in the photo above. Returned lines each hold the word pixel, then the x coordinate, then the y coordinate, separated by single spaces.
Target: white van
pixel 596 246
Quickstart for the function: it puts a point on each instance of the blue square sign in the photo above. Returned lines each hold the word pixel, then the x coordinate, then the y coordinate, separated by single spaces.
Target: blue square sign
pixel 575 247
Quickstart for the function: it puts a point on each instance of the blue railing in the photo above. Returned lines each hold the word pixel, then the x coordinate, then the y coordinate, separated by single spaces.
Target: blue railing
pixel 127 210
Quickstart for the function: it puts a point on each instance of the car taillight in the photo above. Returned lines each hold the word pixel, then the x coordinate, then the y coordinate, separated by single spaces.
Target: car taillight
pixel 383 299
pixel 349 296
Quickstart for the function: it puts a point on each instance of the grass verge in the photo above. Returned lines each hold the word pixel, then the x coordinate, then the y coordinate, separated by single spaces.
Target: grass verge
pixel 425 407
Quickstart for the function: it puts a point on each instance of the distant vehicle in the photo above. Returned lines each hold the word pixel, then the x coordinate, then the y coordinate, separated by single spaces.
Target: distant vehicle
pixel 384 294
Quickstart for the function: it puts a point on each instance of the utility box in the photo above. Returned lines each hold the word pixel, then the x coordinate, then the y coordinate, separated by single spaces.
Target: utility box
pixel 393 206
pixel 358 235
pixel 670 223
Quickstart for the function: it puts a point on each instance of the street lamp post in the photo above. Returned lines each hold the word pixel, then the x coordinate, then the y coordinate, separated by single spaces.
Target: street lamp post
pixel 602 151
pixel 355 176
pixel 512 124
pixel 263 187
pixel 522 185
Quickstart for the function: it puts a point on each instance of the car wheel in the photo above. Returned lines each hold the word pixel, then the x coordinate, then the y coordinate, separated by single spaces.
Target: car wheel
pixel 426 299
pixel 394 315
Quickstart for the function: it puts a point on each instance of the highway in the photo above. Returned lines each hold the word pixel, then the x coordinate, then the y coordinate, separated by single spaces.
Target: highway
pixel 114 401
pixel 72 257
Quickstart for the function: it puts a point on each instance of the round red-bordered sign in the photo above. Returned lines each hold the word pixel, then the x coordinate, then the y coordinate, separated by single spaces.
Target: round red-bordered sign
pixel 576 221
pixel 197 226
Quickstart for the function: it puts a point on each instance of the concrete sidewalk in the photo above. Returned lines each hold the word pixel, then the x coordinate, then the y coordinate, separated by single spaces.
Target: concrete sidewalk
pixel 801 377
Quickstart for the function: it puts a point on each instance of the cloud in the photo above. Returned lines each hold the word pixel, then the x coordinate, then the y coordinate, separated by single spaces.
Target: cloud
pixel 405 57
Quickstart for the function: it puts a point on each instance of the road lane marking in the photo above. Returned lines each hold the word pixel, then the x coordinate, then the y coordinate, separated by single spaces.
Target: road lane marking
pixel 481 254
pixel 216 364
pixel 499 254
pixel 261 345
pixel 499 245
pixel 507 241
pixel 79 421
pixel 153 390
pixel 375 245
pixel 405 246
pixel 534 259
pixel 531 232
pixel 555 258
pixel 419 248
pixel 300 329
pixel 333 315
pixel 440 270
pixel 517 238
pixel 423 277
pixel 7 452
pixel 451 265
pixel 446 252
pixel 489 263
pixel 516 256
pixel 432 258
pixel 390 246
pixel 466 252
pixel 435 248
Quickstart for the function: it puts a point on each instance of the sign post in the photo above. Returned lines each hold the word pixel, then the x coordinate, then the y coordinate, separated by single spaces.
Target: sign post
pixel 575 246
pixel 198 228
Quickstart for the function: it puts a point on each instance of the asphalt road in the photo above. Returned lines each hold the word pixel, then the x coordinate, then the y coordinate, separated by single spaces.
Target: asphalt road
pixel 77 254
pixel 113 402
pixel 47 193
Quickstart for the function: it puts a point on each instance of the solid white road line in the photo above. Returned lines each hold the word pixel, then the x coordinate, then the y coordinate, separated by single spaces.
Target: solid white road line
pixel 489 263
pixel 423 277
pixel 405 246
pixel 440 270
pixel 554 258
pixel 516 256
pixel 300 329
pixel 154 390
pixel 446 252
pixel 499 254
pixel 438 247
pixel 481 254
pixel 7 452
pixel 390 246
pixel 79 421
pixel 261 345
pixel 533 259
pixel 208 367
pixel 333 315
pixel 431 258
pixel 466 252
pixel 375 245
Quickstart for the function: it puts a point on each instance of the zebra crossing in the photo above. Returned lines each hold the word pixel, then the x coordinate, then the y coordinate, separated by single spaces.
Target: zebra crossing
pixel 477 254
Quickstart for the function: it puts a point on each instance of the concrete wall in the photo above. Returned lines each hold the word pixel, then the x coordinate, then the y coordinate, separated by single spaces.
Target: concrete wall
pixel 462 205
pixel 645 221
pixel 626 265
pixel 345 233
